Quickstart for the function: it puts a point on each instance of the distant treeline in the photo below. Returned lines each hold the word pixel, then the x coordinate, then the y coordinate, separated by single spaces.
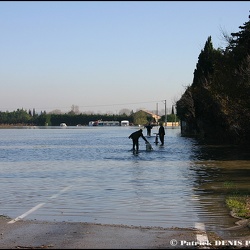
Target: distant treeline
pixel 24 117
pixel 216 105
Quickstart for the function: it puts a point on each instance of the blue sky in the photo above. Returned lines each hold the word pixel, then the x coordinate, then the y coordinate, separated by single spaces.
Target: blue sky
pixel 105 56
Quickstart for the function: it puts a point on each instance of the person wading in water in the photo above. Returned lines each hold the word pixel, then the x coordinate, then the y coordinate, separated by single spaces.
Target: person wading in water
pixel 135 137
pixel 149 127
pixel 161 133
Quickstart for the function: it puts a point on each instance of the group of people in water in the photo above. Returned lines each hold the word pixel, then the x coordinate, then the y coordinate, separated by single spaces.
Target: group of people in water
pixel 136 135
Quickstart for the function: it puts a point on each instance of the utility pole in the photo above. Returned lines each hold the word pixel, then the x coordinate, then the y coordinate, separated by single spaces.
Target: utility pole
pixel 157 112
pixel 165 113
pixel 175 116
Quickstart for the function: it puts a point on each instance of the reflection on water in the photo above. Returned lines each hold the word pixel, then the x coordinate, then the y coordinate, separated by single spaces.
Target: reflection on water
pixel 172 186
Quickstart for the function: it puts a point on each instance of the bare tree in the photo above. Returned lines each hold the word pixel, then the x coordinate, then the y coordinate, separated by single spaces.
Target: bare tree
pixel 75 109
pixel 56 112
pixel 125 111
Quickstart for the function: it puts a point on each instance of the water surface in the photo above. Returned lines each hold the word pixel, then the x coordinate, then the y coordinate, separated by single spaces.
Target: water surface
pixel 90 174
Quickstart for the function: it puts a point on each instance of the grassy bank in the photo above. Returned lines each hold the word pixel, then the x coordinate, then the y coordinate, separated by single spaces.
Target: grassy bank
pixel 238 201
pixel 240 205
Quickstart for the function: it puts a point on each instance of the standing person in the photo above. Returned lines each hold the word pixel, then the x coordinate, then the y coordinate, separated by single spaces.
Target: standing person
pixel 135 137
pixel 161 133
pixel 149 127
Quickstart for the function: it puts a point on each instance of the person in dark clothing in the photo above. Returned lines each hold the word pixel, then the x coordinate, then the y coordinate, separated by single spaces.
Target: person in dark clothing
pixel 135 137
pixel 149 127
pixel 161 134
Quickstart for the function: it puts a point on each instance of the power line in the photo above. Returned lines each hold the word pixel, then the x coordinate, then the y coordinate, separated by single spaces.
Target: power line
pixel 89 106
pixel 98 105
pixel 116 104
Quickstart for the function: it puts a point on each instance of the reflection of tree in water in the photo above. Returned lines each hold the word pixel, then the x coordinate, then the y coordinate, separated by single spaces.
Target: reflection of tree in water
pixel 220 170
pixel 222 152
pixel 220 164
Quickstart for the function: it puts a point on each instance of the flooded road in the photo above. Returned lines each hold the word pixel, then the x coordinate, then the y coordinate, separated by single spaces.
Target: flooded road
pixel 90 174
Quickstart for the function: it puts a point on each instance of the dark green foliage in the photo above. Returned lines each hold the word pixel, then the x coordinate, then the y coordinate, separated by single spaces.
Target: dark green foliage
pixel 16 117
pixel 25 118
pixel 239 45
pixel 217 104
pixel 140 118
pixel 205 66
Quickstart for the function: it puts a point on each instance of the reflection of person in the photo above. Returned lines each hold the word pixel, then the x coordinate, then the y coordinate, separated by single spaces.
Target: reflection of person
pixel 161 133
pixel 149 127
pixel 135 137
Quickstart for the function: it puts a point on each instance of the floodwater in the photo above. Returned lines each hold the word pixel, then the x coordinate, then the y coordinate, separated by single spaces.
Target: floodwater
pixel 90 174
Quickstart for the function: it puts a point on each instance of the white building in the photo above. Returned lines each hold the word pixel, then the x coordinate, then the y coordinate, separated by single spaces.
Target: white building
pixel 124 123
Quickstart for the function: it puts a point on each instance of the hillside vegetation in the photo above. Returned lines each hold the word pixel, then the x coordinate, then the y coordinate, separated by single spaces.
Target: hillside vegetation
pixel 217 104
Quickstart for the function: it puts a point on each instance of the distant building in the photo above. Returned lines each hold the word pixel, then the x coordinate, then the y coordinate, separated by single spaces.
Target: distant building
pixel 63 124
pixel 124 123
pixel 154 116
pixel 104 123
